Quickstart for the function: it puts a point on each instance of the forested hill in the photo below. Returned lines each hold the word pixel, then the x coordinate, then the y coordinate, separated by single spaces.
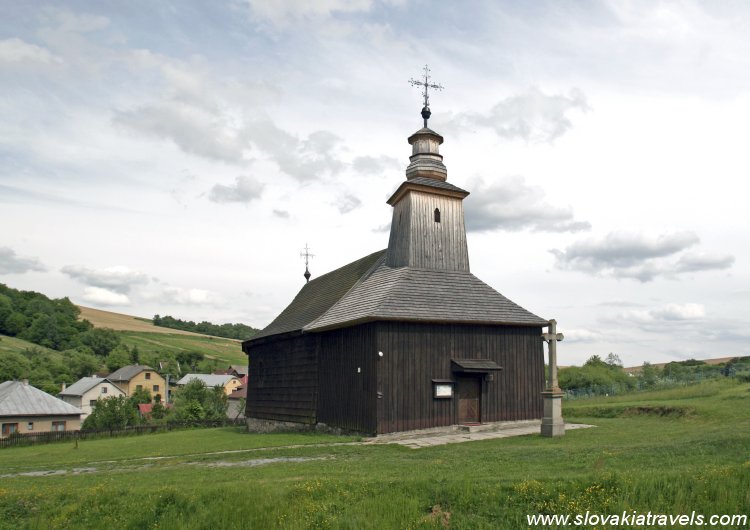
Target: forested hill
pixel 229 331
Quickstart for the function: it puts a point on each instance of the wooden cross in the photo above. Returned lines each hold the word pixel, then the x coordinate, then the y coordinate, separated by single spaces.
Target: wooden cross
pixel 551 338
pixel 306 254
pixel 427 85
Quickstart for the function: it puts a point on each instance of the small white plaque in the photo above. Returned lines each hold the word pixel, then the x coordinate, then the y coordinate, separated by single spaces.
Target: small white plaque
pixel 443 390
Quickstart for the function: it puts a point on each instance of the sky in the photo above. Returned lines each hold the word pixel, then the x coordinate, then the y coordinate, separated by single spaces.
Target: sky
pixel 176 157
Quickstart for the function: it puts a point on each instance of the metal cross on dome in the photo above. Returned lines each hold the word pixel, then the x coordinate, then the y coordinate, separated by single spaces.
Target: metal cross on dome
pixel 425 92
pixel 306 254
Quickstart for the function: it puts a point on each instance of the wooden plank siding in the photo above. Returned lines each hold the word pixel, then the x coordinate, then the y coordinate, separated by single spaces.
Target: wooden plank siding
pixel 347 378
pixel 284 384
pixel 415 354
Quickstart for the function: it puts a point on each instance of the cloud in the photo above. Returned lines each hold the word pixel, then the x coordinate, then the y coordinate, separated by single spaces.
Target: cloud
pixel 116 279
pixel 347 203
pixel 666 313
pixel 17 51
pixel 533 117
pixel 187 296
pixel 286 12
pixel 100 296
pixel 636 256
pixel 513 205
pixel 244 190
pixel 582 335
pixel 10 263
pixel 283 214
pixel 371 165
pixel 195 130
pixel 303 159
pixel 702 262
pixel 64 20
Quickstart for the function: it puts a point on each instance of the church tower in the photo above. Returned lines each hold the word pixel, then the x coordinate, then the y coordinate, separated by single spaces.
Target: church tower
pixel 427 230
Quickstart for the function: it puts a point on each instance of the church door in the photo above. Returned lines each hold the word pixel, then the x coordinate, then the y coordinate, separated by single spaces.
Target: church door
pixel 469 399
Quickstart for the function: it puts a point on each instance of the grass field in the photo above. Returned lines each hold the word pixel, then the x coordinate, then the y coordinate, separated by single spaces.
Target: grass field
pixel 667 452
pixel 141 332
pixel 227 350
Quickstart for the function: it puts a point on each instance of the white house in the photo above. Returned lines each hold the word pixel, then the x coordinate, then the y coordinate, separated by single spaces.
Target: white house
pixel 85 392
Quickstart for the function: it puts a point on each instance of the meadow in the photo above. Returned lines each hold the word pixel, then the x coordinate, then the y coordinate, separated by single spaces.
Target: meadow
pixel 672 452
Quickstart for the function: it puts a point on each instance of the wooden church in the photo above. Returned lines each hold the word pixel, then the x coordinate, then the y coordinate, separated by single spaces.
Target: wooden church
pixel 404 338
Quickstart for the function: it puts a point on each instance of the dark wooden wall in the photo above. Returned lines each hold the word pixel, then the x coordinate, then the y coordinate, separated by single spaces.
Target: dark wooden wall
pixel 415 354
pixel 347 378
pixel 284 381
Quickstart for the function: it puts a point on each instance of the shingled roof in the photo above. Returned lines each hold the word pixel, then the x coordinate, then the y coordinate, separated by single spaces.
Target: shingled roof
pixel 368 290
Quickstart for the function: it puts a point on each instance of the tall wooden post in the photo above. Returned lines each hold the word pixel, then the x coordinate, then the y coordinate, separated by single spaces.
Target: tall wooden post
pixel 552 422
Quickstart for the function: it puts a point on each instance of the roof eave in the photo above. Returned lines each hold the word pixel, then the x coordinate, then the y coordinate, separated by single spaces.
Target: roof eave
pixel 408 186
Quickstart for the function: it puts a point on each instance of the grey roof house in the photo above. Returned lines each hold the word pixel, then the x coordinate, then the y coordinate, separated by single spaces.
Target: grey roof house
pixel 85 392
pixel 26 409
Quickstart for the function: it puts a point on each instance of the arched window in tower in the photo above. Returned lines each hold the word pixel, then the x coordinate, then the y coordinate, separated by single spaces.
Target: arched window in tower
pixel 437 215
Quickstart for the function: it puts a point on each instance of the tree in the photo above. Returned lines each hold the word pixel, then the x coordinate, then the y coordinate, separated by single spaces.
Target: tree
pixel 82 363
pixel 114 412
pixel 13 365
pixel 649 374
pixel 140 395
pixel 196 401
pixel 118 357
pixel 101 340
pixel 613 360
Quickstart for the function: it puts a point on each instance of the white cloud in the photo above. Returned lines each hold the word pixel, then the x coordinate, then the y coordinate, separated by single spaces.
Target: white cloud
pixel 17 51
pixel 68 21
pixel 10 263
pixel 195 130
pixel 281 13
pixel 187 296
pixel 666 313
pixel 582 335
pixel 106 297
pixel 511 204
pixel 244 190
pixel 118 279
pixel 637 256
pixel 533 116
pixel 348 202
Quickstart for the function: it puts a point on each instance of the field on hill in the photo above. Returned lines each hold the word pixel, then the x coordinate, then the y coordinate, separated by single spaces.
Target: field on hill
pixel 120 322
pixel 140 332
pixel 669 452
pixel 227 350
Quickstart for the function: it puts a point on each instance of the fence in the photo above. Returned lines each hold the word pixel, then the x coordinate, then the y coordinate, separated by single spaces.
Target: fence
pixel 17 439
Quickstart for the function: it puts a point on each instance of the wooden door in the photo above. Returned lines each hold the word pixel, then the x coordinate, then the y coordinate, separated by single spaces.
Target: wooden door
pixel 469 399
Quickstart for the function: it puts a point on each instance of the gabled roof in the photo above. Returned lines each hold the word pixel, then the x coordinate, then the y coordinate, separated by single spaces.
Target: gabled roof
pixel 126 373
pixel 209 379
pixel 21 399
pixel 318 295
pixel 356 293
pixel 83 385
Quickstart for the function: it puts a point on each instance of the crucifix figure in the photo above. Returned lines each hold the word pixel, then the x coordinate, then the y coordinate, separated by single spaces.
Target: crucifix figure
pixel 551 338
pixel 552 421
pixel 306 254
pixel 425 93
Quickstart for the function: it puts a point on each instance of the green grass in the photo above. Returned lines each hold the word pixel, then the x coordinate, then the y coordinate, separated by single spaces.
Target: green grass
pixel 227 350
pixel 13 344
pixel 640 461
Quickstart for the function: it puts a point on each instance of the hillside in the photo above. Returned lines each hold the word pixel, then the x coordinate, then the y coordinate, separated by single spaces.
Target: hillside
pixel 120 322
pixel 152 339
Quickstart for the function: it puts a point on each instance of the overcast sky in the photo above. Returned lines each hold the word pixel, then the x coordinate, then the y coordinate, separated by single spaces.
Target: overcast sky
pixel 175 157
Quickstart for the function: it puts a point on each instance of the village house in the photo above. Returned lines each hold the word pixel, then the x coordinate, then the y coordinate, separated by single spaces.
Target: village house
pixel 85 392
pixel 138 376
pixel 25 409
pixel 403 338
pixel 228 382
